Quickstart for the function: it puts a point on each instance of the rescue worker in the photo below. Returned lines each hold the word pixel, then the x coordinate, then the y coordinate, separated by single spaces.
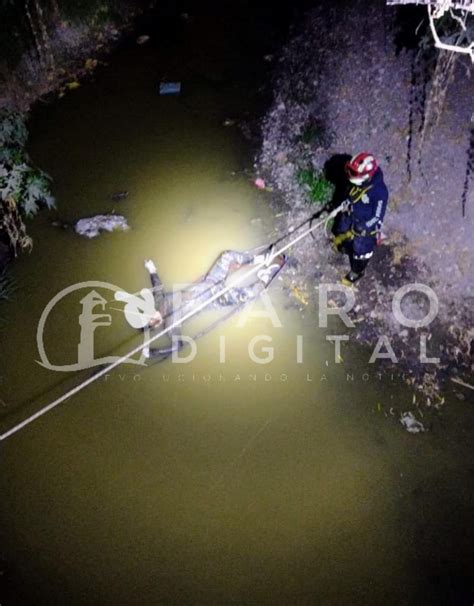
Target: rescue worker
pixel 358 227
pixel 171 307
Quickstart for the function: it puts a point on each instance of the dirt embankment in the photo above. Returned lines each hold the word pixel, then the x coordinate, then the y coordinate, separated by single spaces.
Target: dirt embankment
pixel 74 51
pixel 342 78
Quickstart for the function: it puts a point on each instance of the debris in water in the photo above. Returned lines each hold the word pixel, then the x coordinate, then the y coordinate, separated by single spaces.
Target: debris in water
pixel 411 424
pixel 119 196
pixel 60 224
pixel 260 183
pixel 170 88
pixel 92 226
pixel 143 39
pixel 229 122
pixel 73 85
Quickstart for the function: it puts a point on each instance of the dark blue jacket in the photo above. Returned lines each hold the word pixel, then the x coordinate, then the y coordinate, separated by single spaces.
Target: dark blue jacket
pixel 368 204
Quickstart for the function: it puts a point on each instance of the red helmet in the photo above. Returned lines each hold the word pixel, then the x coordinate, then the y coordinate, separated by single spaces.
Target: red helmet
pixel 361 168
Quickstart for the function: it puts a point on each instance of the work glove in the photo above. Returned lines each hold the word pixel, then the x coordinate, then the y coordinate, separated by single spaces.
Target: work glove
pixel 341 238
pixel 150 266
pixel 346 206
pixel 266 258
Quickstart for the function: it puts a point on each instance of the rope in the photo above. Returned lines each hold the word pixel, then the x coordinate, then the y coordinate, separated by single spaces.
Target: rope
pixel 205 331
pixel 253 251
pixel 147 343
pixel 235 310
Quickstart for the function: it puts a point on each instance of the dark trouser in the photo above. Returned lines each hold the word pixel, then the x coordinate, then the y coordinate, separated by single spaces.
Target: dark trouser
pixel 358 265
pixel 360 249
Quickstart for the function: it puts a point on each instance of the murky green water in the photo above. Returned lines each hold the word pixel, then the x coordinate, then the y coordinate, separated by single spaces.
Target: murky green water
pixel 206 483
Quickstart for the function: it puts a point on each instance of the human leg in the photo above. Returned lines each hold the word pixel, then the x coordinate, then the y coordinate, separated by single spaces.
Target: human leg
pixel 361 252
pixel 228 261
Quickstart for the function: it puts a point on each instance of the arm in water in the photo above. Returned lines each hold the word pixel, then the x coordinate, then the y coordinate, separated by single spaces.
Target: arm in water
pixel 164 314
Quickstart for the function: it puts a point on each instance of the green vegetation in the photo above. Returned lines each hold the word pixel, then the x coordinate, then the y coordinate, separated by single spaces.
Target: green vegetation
pixel 319 189
pixel 13 132
pixel 20 182
pixel 23 187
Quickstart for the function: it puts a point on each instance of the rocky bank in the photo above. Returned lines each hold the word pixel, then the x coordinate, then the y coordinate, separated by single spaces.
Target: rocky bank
pixel 344 78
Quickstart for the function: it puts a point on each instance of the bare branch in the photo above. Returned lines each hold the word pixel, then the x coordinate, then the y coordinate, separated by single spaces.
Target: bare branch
pixel 466 50
pixel 466 5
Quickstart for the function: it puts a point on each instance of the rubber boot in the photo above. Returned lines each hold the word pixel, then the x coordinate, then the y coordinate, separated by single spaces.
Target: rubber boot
pixel 351 278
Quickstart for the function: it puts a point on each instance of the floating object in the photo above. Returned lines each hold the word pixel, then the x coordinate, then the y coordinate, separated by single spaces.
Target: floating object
pixel 260 183
pixel 170 88
pixel 60 224
pixel 268 58
pixel 228 122
pixel 119 196
pixel 73 85
pixel 92 226
pixel 411 424
pixel 143 39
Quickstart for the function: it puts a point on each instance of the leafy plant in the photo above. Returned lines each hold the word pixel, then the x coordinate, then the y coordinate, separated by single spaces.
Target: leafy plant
pixel 23 187
pixel 13 131
pixel 319 189
pixel 20 182
pixel 12 224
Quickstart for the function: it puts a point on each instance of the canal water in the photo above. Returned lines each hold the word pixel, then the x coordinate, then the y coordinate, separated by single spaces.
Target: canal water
pixel 212 482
